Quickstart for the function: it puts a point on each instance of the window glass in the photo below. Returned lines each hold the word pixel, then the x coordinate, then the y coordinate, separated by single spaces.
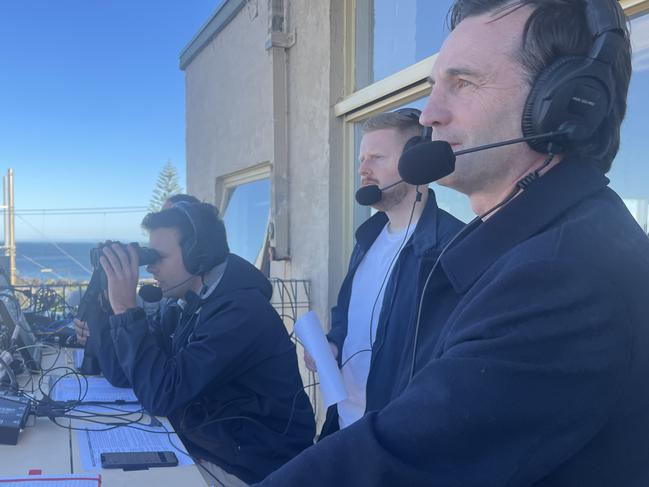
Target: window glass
pixel 630 173
pixel 246 219
pixel 393 34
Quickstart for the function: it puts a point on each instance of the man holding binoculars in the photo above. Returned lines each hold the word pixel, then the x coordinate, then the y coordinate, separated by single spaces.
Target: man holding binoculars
pixel 220 364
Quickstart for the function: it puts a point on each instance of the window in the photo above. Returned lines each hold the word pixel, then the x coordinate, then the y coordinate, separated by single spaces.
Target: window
pixel 390 68
pixel 246 212
pixel 630 173
pixel 393 34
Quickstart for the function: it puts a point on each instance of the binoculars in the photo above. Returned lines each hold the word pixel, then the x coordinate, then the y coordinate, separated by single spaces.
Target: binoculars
pixel 146 255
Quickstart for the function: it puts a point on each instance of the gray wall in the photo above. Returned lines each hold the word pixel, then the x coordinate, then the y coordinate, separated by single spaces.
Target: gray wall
pixel 229 127
pixel 310 153
pixel 228 103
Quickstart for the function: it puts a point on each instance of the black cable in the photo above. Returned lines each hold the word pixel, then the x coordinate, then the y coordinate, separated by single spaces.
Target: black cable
pixel 209 421
pixel 59 409
pixel 385 278
pixel 92 417
pixel 290 416
pixel 131 425
pixel 65 409
pixel 55 410
pixel 10 373
pixel 353 355
pixel 521 185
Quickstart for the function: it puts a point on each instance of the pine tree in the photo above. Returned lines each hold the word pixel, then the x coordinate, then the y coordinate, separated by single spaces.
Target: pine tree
pixel 166 185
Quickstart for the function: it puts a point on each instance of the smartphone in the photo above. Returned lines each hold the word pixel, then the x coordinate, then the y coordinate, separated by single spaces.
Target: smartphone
pixel 138 460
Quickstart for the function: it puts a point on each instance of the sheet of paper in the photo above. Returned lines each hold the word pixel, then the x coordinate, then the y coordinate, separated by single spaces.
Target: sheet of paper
pixel 310 333
pixel 99 390
pixel 79 480
pixel 78 357
pixel 95 439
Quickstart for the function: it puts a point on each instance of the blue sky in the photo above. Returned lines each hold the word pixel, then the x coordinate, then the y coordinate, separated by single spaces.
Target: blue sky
pixel 92 106
pixel 92 103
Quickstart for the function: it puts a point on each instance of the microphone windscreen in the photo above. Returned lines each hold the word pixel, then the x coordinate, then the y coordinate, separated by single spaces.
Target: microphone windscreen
pixel 150 293
pixel 368 195
pixel 427 162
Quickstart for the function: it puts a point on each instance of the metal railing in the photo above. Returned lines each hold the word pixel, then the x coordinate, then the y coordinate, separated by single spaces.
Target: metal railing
pixel 291 299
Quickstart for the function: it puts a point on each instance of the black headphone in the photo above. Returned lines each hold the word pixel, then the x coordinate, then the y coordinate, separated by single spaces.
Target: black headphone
pixel 426 132
pixel 575 93
pixel 200 252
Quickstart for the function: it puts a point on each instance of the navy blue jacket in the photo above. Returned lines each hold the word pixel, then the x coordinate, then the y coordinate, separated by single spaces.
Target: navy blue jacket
pixel 535 374
pixel 434 229
pixel 229 356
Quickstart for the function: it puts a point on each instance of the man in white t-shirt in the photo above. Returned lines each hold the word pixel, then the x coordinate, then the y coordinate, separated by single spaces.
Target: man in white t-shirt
pixel 378 296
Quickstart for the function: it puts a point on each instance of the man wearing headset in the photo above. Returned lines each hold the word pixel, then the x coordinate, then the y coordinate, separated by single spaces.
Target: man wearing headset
pixel 81 327
pixel 379 294
pixel 530 364
pixel 226 374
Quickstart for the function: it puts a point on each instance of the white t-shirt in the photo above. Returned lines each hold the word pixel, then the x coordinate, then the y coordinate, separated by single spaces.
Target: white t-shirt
pixel 370 280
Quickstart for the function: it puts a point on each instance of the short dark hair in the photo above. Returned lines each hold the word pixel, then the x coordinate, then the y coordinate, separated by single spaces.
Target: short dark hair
pixel 213 247
pixel 175 198
pixel 558 28
pixel 402 121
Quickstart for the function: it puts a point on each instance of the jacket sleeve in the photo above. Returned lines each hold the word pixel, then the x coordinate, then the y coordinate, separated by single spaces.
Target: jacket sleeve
pixel 225 341
pixel 338 331
pixel 101 345
pixel 530 367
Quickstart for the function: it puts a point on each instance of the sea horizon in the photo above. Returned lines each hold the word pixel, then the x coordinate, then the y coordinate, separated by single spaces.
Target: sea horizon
pixel 61 261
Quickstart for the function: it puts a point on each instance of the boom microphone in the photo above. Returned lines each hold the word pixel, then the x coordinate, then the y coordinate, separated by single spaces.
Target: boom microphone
pixel 150 293
pixel 368 195
pixel 427 162
pixel 430 161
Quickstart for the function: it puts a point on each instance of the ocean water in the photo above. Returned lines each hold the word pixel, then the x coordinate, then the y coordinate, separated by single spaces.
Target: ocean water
pixel 62 261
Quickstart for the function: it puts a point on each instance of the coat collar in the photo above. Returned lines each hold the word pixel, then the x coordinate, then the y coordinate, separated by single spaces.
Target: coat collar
pixel 210 282
pixel 565 185
pixel 424 237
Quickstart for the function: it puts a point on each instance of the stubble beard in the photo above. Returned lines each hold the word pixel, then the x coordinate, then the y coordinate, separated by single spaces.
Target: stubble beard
pixel 392 197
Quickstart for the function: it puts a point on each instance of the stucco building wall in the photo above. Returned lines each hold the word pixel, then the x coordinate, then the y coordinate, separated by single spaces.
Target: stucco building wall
pixel 228 103
pixel 229 127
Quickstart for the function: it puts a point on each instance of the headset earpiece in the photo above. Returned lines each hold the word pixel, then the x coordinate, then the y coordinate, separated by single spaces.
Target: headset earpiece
pixel 574 94
pixel 198 251
pixel 412 142
pixel 426 133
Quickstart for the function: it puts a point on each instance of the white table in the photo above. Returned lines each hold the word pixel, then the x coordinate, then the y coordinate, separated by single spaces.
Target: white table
pixel 54 450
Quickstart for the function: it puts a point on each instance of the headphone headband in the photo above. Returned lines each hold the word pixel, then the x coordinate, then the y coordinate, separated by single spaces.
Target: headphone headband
pixel 207 246
pixel 605 16
pixel 415 113
pixel 575 94
pixel 183 207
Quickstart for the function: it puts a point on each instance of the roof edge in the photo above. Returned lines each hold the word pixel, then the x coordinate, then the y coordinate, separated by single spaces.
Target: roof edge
pixel 216 23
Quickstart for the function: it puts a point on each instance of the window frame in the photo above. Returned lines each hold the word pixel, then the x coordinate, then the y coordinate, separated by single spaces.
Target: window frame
pixel 397 89
pixel 225 186
pixel 227 183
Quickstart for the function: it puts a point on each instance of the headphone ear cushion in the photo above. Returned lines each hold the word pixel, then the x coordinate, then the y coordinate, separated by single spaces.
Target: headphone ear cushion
pixel 189 261
pixel 413 141
pixel 533 123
